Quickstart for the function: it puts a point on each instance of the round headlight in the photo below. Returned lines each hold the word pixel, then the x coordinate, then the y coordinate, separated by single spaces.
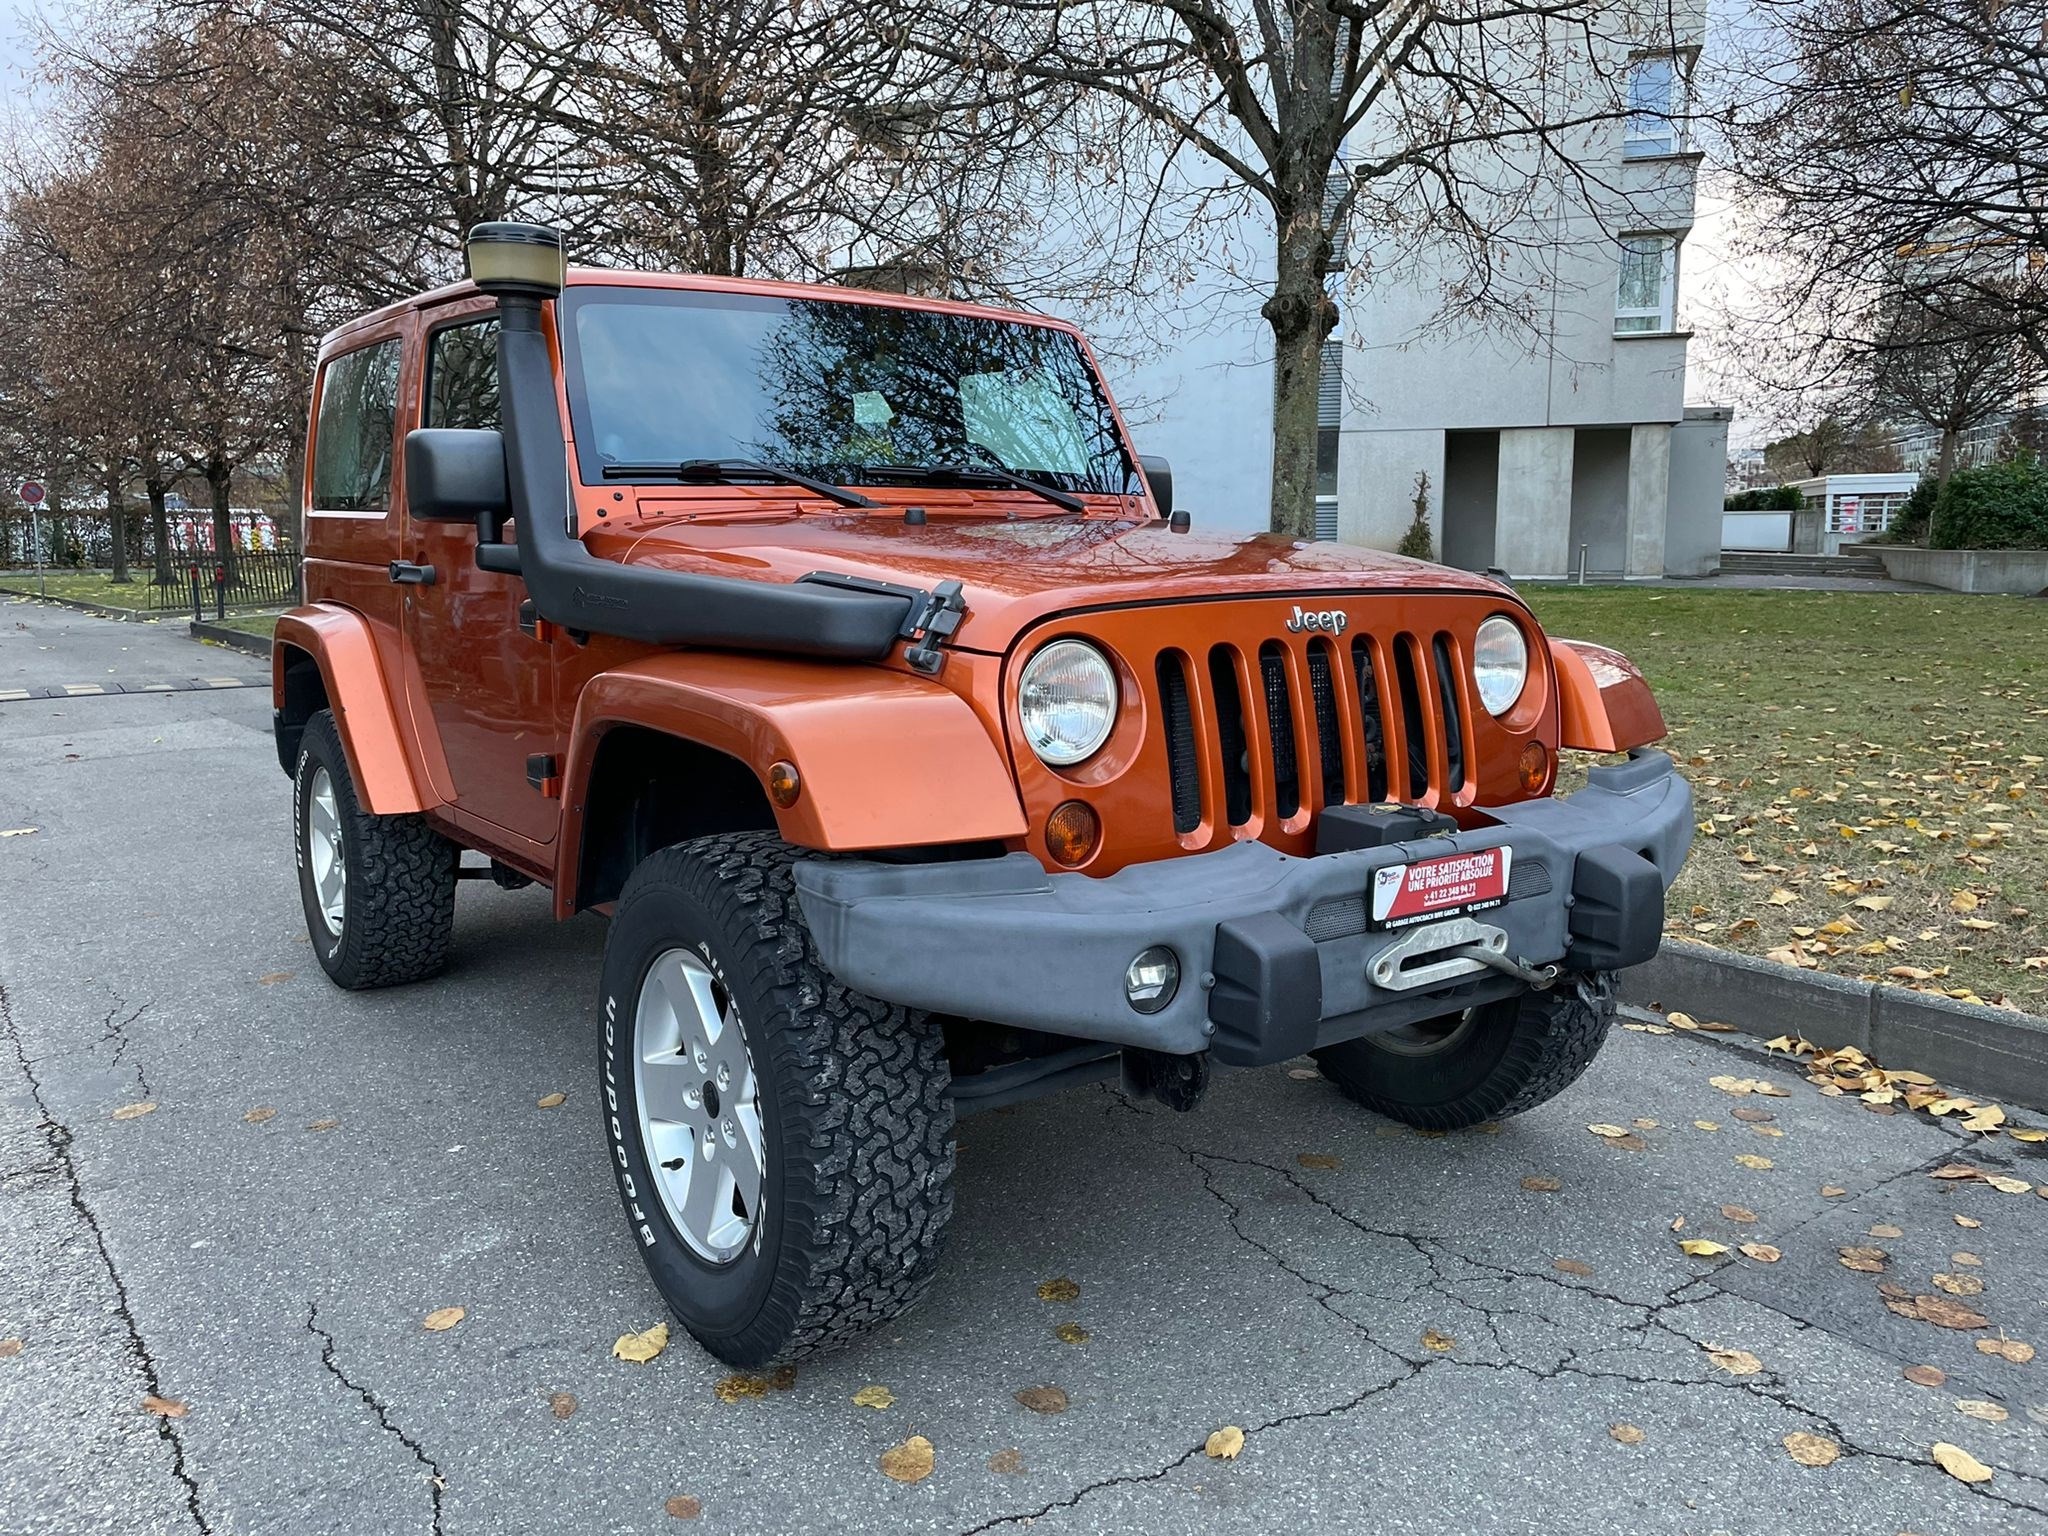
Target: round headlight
pixel 1067 698
pixel 1500 663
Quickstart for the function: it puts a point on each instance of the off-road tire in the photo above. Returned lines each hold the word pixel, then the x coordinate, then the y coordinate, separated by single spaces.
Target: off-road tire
pixel 1522 1052
pixel 856 1112
pixel 399 910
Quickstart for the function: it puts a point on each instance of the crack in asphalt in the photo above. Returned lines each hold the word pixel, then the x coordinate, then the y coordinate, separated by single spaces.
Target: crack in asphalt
pixel 114 1031
pixel 57 1136
pixel 437 1482
pixel 1771 1387
pixel 1126 1479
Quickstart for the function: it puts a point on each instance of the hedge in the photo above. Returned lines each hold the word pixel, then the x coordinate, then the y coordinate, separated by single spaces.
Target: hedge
pixel 1993 506
pixel 1771 498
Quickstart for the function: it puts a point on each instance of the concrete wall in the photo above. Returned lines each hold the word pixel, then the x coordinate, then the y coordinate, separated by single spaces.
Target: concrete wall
pixel 1376 486
pixel 1693 523
pixel 1533 535
pixel 2020 571
pixel 1600 495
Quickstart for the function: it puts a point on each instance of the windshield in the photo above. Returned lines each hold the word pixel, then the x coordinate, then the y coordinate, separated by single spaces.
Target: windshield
pixel 842 391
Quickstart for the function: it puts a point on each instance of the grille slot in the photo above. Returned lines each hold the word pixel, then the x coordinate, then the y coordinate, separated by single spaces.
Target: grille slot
pixel 1412 737
pixel 1369 712
pixel 1280 728
pixel 1237 773
pixel 1183 769
pixel 1453 717
pixel 1322 688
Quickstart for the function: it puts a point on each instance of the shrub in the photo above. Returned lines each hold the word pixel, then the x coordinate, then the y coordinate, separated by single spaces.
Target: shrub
pixel 1993 506
pixel 1416 543
pixel 1909 523
pixel 1769 498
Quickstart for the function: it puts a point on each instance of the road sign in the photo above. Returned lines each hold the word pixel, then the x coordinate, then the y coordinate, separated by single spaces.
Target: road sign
pixel 32 493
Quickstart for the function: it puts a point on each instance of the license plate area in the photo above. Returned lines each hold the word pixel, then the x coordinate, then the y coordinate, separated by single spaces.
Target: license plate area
pixel 1427 890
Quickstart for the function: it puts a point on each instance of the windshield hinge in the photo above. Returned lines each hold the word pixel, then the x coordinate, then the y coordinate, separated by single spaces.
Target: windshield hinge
pixel 932 619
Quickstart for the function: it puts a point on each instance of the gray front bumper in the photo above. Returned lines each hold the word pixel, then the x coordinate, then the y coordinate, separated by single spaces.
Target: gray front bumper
pixel 1274 952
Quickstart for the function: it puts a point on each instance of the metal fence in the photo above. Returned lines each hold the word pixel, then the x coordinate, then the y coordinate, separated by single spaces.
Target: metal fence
pixel 254 579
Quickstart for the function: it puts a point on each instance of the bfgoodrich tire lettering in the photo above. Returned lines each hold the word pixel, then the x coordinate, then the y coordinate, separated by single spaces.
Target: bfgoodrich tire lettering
pixel 398 911
pixel 1505 1058
pixel 855 1104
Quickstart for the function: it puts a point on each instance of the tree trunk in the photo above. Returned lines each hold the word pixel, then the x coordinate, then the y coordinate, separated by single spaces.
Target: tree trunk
pixel 160 528
pixel 117 526
pixel 218 475
pixel 1301 316
pixel 1945 465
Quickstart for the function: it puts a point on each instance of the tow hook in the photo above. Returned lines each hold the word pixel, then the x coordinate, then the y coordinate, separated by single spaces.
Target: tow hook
pixel 1541 977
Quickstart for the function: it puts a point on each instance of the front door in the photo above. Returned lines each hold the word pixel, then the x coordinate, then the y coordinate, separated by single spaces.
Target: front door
pixel 489 684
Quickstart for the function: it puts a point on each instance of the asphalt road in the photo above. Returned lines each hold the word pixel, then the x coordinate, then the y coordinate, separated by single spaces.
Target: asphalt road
pixel 273 1276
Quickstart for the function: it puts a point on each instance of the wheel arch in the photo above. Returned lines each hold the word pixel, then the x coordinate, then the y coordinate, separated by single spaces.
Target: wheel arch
pixel 324 657
pixel 1604 702
pixel 679 745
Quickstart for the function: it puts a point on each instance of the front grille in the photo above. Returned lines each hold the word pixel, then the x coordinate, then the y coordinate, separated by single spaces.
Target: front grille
pixel 1301 722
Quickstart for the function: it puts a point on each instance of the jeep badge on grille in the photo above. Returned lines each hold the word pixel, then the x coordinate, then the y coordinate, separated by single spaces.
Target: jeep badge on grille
pixel 1332 620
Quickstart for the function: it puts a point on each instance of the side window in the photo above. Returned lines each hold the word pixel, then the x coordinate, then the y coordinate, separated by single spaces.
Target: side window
pixel 462 376
pixel 352 440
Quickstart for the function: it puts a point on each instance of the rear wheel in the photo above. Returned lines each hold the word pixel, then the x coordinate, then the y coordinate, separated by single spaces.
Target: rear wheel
pixel 783 1146
pixel 1483 1063
pixel 379 891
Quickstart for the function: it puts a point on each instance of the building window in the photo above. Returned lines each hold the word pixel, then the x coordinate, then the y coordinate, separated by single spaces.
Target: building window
pixel 1656 107
pixel 1646 300
pixel 1329 419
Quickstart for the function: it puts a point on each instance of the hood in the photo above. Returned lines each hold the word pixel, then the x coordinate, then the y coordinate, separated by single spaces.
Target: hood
pixel 1018 571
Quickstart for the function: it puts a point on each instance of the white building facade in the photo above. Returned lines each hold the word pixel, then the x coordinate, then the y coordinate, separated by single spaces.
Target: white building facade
pixel 1557 440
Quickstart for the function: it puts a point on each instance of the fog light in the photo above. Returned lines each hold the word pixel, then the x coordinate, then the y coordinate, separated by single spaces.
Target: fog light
pixel 1151 979
pixel 1071 832
pixel 1534 766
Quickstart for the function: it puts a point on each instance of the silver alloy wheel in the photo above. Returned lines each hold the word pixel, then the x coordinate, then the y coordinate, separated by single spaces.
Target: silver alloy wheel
pixel 700 1105
pixel 325 851
pixel 1426 1037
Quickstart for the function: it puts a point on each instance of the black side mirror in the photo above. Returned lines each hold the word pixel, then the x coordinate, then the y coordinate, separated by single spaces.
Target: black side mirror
pixel 457 475
pixel 1159 476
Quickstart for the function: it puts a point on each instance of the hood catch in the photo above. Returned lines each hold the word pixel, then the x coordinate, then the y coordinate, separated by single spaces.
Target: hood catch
pixel 931 621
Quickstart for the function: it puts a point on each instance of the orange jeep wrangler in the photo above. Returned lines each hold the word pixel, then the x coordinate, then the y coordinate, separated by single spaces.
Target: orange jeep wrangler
pixel 841 650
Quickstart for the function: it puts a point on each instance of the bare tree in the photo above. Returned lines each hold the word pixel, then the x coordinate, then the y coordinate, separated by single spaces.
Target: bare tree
pixel 1951 368
pixel 1432 139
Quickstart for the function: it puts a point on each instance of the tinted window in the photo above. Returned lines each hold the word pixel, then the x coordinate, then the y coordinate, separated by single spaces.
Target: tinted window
pixel 462 376
pixel 352 441
pixel 835 389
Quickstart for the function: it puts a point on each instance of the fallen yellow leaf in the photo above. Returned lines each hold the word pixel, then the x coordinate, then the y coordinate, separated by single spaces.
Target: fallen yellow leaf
pixel 910 1462
pixel 1061 1289
pixel 1960 1464
pixel 641 1347
pixel 874 1397
pixel 552 1100
pixel 1608 1131
pixel 2006 1349
pixel 441 1319
pixel 259 1114
pixel 1763 1253
pixel 1071 1333
pixel 1979 1408
pixel 1701 1248
pixel 1224 1444
pixel 1751 1160
pixel 1811 1450
pixel 164 1407
pixel 136 1111
pixel 1736 1362
pixel 1627 1434
pixel 1438 1343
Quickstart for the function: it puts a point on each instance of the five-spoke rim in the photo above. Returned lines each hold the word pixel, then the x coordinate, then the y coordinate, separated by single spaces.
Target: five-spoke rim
pixel 700 1105
pixel 325 851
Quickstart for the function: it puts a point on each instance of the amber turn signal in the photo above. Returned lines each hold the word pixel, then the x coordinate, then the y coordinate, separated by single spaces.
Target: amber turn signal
pixel 784 784
pixel 1534 766
pixel 1071 832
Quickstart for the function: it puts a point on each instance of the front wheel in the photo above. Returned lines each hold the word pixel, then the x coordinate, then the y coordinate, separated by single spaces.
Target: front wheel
pixel 783 1146
pixel 1484 1063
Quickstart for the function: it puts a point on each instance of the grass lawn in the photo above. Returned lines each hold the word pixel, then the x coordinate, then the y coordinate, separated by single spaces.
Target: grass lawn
pixel 1871 772
pixel 264 624
pixel 84 587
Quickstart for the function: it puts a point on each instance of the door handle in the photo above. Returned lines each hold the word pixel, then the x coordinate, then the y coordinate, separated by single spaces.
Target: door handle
pixel 407 574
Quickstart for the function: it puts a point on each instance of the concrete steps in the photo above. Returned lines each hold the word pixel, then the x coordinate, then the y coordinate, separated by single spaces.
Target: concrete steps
pixel 1736 562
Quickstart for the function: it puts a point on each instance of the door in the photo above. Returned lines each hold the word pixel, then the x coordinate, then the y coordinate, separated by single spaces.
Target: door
pixel 490 686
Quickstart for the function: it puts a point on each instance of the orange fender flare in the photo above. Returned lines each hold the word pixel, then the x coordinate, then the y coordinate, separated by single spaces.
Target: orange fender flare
pixel 1604 703
pixel 339 641
pixel 884 759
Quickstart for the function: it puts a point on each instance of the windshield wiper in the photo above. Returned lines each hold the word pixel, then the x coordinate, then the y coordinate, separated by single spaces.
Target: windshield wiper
pixel 969 474
pixel 738 471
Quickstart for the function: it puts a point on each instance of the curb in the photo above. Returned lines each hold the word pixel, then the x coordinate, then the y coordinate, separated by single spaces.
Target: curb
pixel 99 610
pixel 233 639
pixel 1993 1052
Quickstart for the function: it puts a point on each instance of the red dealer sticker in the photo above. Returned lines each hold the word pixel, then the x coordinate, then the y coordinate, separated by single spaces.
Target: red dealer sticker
pixel 1430 888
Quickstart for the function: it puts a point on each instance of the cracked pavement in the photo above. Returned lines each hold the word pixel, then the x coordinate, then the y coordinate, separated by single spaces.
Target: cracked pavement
pixel 273 1277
